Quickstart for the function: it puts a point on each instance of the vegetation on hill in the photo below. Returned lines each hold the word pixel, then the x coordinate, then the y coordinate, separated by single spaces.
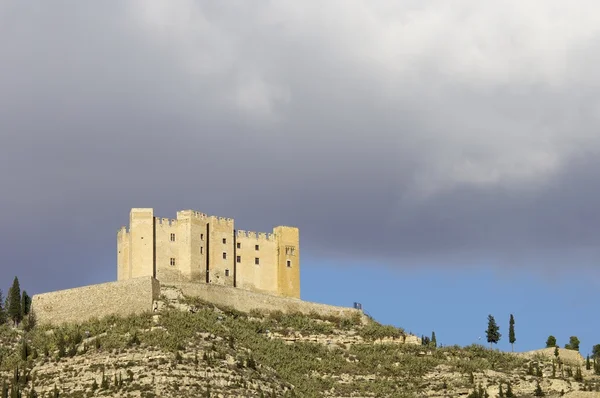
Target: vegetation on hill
pixel 191 348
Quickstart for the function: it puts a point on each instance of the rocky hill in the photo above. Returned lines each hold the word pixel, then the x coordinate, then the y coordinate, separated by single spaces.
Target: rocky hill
pixel 189 348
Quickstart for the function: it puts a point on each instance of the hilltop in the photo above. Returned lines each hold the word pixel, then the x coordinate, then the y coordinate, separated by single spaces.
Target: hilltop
pixel 190 348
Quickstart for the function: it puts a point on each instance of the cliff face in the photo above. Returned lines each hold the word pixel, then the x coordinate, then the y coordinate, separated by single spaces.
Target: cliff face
pixel 190 348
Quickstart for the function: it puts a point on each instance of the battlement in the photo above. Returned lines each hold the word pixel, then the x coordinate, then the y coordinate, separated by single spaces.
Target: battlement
pixel 191 214
pixel 165 221
pixel 122 231
pixel 222 220
pixel 258 236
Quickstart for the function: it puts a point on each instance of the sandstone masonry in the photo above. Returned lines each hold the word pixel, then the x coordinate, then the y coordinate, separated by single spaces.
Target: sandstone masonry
pixel 96 301
pixel 206 249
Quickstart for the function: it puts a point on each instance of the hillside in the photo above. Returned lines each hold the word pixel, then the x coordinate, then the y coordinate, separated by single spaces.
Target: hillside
pixel 190 348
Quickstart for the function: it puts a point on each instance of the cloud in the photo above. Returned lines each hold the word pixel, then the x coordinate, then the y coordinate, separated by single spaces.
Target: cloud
pixel 421 130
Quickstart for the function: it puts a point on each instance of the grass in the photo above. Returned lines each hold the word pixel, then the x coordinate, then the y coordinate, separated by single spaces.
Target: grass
pixel 206 338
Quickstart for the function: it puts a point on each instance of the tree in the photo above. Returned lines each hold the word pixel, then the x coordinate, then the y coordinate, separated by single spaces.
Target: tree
pixel 509 391
pixel 578 375
pixel 538 391
pixel 551 342
pixel 500 392
pixel 2 310
pixel 511 332
pixel 573 344
pixel 25 304
pixel 14 302
pixel 493 331
pixel 588 364
pixel 433 340
pixel 596 352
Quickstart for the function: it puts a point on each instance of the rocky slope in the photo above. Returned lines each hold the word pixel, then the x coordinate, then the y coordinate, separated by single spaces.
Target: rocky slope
pixel 192 349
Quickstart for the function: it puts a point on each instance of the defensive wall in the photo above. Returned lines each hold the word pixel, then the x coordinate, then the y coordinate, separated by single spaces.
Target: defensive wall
pixel 245 301
pixel 77 305
pixel 134 296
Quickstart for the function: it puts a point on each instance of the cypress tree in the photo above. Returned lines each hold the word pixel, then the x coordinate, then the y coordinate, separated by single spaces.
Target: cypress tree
pixel 511 332
pixel 2 309
pixel 588 364
pixel 433 340
pixel 25 304
pixel 509 392
pixel 500 392
pixel 538 391
pixel 493 331
pixel 14 302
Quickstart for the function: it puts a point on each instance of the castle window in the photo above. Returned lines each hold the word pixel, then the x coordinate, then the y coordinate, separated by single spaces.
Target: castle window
pixel 201 250
pixel 172 260
pixel 238 259
pixel 239 245
pixel 226 272
pixel 224 256
pixel 224 240
pixel 255 247
pixel 289 263
pixel 172 237
pixel 256 261
pixel 201 236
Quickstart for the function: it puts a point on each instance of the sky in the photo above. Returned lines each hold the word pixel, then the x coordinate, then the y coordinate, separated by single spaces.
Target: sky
pixel 439 158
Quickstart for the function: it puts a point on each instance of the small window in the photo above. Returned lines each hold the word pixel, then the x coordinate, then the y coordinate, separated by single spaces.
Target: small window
pixel 256 261
pixel 224 240
pixel 226 272
pixel 201 250
pixel 238 259
pixel 172 260
pixel 289 263
pixel 239 245
pixel 255 247
pixel 224 256
pixel 172 237
pixel 201 236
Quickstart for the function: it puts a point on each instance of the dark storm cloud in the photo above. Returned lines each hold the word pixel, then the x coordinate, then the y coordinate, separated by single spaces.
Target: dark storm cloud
pixel 415 132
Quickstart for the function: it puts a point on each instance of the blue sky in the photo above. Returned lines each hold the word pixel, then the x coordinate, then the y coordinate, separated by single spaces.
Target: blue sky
pixel 455 303
pixel 439 158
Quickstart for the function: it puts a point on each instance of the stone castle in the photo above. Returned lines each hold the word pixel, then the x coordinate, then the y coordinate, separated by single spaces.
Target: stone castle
pixel 201 256
pixel 208 249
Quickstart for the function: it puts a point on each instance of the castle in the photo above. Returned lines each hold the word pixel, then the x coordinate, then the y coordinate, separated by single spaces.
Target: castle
pixel 208 249
pixel 201 256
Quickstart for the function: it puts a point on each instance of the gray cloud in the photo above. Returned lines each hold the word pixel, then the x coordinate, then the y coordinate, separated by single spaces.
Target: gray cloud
pixel 414 132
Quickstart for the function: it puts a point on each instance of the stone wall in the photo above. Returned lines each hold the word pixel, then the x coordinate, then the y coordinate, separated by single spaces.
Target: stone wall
pixel 83 303
pixel 245 301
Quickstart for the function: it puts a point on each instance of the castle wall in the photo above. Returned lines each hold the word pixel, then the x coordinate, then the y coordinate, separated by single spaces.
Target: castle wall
pixel 123 298
pixel 122 254
pixel 245 301
pixel 249 275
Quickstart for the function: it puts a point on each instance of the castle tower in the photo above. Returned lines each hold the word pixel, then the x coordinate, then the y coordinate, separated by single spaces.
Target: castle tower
pixel 288 261
pixel 141 244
